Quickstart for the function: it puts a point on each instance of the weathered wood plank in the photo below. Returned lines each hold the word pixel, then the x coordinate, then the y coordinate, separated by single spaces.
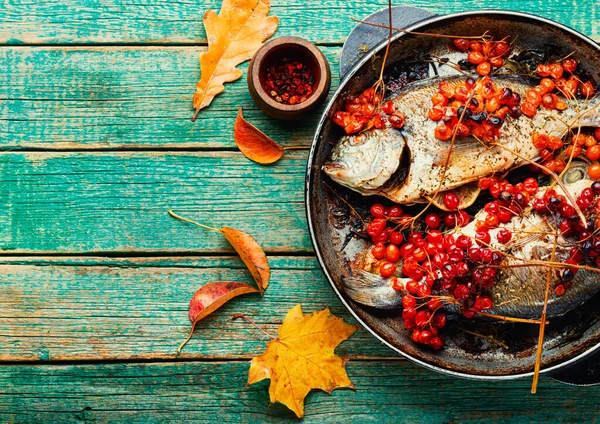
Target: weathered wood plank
pixel 152 21
pixel 118 202
pixel 103 309
pixel 124 97
pixel 387 392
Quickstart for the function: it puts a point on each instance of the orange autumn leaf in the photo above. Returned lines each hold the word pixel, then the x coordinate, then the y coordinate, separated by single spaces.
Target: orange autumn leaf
pixel 246 247
pixel 253 143
pixel 211 297
pixel 302 358
pixel 234 35
pixel 251 253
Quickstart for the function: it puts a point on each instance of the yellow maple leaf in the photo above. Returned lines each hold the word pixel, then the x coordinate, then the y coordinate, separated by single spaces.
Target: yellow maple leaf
pixel 302 358
pixel 233 37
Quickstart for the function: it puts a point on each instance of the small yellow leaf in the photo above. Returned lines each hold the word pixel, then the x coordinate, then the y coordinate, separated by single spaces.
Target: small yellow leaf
pixel 233 37
pixel 302 358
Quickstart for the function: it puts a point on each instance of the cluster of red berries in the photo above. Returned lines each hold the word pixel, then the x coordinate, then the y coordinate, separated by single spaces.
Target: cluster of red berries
pixel 475 107
pixel 554 157
pixel 512 200
pixel 361 113
pixel 569 224
pixel 487 55
pixel 520 192
pixel 433 262
pixel 552 82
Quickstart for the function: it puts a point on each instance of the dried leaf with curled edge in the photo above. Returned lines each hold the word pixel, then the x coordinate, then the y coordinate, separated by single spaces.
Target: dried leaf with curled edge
pixel 249 250
pixel 302 358
pixel 233 37
pixel 251 253
pixel 211 297
pixel 253 143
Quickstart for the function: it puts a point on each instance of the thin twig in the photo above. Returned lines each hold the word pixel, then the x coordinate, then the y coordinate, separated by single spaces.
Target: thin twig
pixel 540 346
pixel 511 319
pixel 235 316
pixel 472 37
pixel 346 203
pixel 489 338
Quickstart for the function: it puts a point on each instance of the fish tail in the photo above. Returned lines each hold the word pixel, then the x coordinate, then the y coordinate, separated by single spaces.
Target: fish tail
pixel 372 290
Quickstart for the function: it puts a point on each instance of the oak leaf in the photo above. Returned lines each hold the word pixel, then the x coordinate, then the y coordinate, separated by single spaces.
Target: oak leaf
pixel 302 358
pixel 234 35
pixel 255 144
pixel 211 297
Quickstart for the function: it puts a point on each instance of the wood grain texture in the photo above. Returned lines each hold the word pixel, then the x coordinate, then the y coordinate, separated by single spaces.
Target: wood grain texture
pixel 124 97
pixel 137 308
pixel 118 202
pixel 179 22
pixel 387 392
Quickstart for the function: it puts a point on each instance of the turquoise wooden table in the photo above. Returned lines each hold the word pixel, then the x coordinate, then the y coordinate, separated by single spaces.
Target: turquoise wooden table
pixel 95 277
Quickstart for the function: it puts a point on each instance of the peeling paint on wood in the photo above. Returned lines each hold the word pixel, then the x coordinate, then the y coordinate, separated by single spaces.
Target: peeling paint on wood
pixel 386 392
pixel 118 201
pixel 132 308
pixel 177 22
pixel 123 97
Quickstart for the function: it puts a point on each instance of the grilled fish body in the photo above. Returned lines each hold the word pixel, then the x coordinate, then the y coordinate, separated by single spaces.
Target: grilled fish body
pixel 369 162
pixel 518 291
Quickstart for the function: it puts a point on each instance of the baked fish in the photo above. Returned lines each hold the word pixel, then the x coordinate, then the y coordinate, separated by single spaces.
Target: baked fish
pixel 518 291
pixel 407 165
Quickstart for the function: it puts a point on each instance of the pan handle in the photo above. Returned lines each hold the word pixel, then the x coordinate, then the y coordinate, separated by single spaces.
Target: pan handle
pixel 583 372
pixel 364 38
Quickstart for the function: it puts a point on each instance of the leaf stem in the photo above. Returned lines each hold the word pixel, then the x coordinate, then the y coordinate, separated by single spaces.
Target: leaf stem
pixel 187 339
pixel 174 215
pixel 235 316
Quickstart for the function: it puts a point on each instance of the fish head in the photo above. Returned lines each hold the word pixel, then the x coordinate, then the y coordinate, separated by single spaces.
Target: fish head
pixel 365 162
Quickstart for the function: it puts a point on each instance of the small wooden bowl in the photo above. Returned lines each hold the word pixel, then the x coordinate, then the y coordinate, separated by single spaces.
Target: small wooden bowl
pixel 294 48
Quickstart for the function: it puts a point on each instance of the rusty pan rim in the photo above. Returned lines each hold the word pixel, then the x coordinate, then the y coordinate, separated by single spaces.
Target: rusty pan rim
pixel 309 185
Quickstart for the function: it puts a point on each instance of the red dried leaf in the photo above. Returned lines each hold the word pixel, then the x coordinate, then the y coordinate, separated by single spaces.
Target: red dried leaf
pixel 211 297
pixel 254 144
pixel 251 253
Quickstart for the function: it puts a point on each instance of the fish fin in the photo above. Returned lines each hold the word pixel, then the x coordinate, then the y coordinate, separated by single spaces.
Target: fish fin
pixel 467 194
pixel 590 116
pixel 368 280
pixel 518 243
pixel 540 230
pixel 461 151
